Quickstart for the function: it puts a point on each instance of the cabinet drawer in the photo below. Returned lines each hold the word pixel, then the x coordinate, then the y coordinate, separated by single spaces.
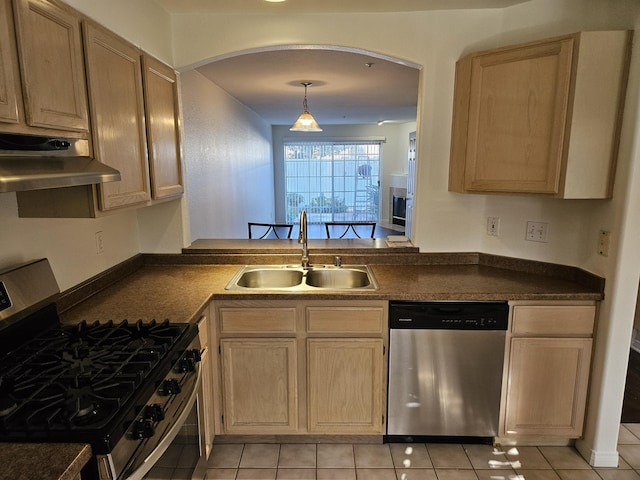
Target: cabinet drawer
pixel 257 320
pixel 553 320
pixel 345 319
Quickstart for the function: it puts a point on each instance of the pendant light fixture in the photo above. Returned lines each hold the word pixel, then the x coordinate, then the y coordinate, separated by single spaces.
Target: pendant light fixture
pixel 305 122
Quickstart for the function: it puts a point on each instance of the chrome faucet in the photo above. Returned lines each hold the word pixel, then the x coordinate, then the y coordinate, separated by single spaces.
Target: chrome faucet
pixel 302 238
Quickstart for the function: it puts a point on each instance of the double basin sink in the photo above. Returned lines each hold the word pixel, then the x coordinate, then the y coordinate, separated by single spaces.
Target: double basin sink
pixel 296 278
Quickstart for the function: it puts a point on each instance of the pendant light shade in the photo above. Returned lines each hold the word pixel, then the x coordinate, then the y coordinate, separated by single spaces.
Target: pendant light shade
pixel 305 122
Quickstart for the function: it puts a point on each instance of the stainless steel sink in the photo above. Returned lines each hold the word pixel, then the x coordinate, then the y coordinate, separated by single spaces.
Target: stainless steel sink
pixel 270 278
pixel 338 278
pixel 295 278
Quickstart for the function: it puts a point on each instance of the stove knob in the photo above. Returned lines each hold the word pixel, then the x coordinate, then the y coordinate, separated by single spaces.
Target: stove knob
pixel 188 362
pixel 186 365
pixel 153 412
pixel 143 429
pixel 194 354
pixel 171 386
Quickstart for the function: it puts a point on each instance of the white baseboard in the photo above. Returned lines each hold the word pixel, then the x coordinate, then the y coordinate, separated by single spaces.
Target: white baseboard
pixel 597 459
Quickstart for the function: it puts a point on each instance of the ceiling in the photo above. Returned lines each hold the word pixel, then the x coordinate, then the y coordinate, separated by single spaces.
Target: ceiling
pixel 345 90
pixel 325 6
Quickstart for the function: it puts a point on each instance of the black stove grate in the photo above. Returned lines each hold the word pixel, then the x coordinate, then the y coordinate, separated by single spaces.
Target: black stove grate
pixel 76 382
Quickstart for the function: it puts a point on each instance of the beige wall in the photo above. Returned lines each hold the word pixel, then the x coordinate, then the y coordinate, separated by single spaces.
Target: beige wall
pixel 229 168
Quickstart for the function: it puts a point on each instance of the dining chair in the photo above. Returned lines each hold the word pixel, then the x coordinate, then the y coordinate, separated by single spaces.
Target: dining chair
pixel 270 230
pixel 341 229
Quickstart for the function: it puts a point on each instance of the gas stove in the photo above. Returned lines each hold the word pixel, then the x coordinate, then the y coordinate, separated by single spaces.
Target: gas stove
pixel 110 384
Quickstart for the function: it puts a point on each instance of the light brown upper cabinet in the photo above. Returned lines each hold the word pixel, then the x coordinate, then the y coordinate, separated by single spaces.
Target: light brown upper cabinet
pixel 163 128
pixel 540 118
pixel 51 64
pixel 114 77
pixel 10 92
pixel 133 106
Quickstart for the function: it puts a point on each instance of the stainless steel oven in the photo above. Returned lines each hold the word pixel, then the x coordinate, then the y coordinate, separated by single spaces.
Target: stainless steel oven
pixel 166 424
pixel 128 388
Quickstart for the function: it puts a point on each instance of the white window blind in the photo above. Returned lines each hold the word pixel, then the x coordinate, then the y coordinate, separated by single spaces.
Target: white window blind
pixel 333 181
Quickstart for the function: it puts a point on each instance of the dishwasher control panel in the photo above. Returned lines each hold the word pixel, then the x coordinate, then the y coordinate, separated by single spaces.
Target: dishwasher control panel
pixel 449 315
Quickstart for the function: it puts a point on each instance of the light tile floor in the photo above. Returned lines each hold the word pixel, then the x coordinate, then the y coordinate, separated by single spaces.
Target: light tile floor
pixel 417 462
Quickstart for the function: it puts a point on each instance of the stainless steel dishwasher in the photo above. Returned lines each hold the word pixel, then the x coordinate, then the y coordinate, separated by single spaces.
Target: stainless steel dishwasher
pixel 445 370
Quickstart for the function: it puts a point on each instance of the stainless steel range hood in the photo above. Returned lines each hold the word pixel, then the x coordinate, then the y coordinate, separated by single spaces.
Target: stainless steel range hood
pixel 30 162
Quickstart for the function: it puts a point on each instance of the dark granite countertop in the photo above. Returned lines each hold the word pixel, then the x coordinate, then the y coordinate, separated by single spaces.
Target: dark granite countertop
pixel 42 461
pixel 179 287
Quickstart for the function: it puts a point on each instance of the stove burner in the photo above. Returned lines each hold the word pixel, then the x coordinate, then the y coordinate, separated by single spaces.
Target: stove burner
pixel 79 377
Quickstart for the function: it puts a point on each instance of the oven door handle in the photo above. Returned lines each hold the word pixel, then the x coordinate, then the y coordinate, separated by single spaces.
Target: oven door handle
pixel 164 443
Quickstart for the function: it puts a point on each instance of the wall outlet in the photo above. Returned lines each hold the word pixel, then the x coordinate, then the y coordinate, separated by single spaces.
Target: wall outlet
pixel 604 239
pixel 537 231
pixel 493 226
pixel 99 243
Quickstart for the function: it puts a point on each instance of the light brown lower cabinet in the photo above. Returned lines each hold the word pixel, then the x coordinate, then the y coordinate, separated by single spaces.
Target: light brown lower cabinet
pixel 548 370
pixel 259 385
pixel 345 378
pixel 302 367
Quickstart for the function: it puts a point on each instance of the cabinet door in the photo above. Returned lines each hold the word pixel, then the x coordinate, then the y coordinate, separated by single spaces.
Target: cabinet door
pixel 259 386
pixel 510 115
pixel 117 115
pixel 52 66
pixel 345 386
pixel 163 128
pixel 548 380
pixel 9 77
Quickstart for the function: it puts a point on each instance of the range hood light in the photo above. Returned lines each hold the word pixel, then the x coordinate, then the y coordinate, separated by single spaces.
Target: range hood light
pixel 305 122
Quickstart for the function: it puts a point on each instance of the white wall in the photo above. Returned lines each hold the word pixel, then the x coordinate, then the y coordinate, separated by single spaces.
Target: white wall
pixel 229 167
pixel 394 153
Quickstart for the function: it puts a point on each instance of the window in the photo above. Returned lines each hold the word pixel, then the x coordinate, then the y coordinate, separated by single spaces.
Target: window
pixel 333 181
